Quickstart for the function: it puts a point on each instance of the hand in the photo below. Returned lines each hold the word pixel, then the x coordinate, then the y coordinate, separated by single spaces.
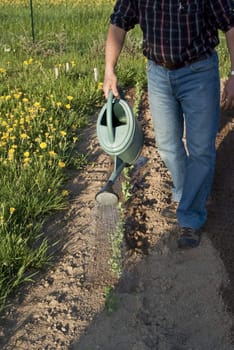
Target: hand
pixel 227 100
pixel 110 83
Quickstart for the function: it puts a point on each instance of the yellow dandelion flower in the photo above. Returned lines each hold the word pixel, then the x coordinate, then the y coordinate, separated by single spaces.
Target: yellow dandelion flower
pixel 61 164
pixel 26 160
pixel 59 104
pixel 8 97
pixel 36 104
pixel 2 70
pixel 26 154
pixel 25 100
pixel 70 98
pixel 52 153
pixel 100 86
pixel 43 145
pixel 11 154
pixel 27 62
pixel 5 136
pixel 24 136
pixel 68 106
pixel 65 193
pixel 63 133
pixel 12 210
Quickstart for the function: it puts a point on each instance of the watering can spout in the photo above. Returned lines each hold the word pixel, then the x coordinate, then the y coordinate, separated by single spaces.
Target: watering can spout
pixel 106 196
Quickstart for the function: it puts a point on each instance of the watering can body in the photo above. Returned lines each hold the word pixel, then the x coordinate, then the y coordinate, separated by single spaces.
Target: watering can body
pixel 121 137
pixel 118 131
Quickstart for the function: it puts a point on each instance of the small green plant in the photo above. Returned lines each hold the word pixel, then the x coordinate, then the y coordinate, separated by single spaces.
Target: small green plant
pixel 112 301
pixel 116 245
pixel 126 184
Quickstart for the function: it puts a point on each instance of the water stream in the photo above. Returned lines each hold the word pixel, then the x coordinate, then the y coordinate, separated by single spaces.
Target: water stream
pixel 106 242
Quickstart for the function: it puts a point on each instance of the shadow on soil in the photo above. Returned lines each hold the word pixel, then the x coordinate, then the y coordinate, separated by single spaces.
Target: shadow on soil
pixel 221 211
pixel 165 301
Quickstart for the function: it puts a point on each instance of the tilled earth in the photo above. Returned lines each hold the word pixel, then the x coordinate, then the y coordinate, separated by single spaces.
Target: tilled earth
pixel 165 299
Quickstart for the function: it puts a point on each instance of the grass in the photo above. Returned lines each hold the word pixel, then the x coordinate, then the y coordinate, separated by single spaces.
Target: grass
pixel 48 91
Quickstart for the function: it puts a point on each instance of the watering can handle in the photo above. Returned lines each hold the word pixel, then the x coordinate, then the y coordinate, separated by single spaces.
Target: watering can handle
pixel 110 130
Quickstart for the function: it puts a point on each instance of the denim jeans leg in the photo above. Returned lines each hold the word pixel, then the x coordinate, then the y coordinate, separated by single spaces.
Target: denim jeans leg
pixel 198 92
pixel 168 122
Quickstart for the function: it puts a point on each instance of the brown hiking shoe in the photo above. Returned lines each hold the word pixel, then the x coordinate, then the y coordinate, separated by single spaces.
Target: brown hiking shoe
pixel 170 211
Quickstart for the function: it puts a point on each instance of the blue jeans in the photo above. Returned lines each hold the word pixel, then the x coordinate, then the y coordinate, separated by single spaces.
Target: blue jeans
pixel 184 105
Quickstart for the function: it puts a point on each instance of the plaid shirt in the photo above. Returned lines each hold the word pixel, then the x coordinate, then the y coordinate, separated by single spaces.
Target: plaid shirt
pixel 175 31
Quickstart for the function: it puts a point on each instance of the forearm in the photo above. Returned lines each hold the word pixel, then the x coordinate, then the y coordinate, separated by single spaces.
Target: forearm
pixel 230 44
pixel 114 45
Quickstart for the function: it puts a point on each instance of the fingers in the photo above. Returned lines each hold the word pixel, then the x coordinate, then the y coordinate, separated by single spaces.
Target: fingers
pixel 110 87
pixel 110 83
pixel 227 102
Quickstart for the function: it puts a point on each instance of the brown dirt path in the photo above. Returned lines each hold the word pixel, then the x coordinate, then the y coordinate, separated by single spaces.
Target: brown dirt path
pixel 166 299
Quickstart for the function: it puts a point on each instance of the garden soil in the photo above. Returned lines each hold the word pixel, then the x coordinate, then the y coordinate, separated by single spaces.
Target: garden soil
pixel 165 298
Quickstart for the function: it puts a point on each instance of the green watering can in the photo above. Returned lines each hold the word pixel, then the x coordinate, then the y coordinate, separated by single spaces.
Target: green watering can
pixel 119 136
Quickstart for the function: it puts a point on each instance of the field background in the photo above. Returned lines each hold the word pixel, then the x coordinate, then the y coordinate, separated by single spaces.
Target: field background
pixel 51 71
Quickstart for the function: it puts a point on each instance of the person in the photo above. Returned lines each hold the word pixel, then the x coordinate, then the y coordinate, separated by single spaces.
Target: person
pixel 179 41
